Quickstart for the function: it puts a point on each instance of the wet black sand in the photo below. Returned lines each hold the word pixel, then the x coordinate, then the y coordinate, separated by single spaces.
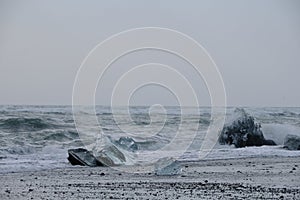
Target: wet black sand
pixel 251 178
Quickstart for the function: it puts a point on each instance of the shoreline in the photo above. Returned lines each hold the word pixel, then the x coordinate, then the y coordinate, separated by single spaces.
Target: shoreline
pixel 263 178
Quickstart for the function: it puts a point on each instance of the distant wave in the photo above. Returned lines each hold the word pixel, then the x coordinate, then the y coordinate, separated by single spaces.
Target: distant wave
pixel 55 113
pixel 26 124
pixel 204 121
pixel 17 143
pixel 4 112
pixel 104 113
pixel 284 114
pixel 61 136
pixel 142 123
pixel 18 150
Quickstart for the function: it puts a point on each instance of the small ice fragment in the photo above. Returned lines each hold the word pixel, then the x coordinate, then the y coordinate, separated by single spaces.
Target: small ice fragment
pixel 111 156
pixel 167 167
pixel 292 142
pixel 128 144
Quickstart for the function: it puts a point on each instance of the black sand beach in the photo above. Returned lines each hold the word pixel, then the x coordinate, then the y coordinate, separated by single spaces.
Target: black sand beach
pixel 251 178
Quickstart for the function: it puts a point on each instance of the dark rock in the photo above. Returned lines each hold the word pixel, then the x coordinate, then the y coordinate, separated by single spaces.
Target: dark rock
pixel 241 130
pixel 269 142
pixel 82 157
pixel 292 142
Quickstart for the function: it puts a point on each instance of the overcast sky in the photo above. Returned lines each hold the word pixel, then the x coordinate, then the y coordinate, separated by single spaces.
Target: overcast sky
pixel 255 44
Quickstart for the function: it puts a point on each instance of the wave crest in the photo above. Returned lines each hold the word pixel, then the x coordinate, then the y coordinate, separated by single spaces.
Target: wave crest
pixel 26 124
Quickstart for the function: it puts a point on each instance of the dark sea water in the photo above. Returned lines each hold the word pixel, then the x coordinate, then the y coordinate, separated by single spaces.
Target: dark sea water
pixel 38 137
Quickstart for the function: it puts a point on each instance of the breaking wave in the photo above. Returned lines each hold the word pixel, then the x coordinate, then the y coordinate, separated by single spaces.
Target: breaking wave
pixel 25 124
pixel 278 132
pixel 26 131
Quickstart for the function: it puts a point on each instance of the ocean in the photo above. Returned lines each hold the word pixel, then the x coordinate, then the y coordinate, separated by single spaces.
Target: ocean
pixel 38 137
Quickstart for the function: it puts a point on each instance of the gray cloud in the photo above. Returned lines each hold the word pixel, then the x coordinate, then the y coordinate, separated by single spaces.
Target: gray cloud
pixel 255 44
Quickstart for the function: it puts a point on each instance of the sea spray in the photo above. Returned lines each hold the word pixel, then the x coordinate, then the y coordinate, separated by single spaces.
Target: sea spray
pixel 278 132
